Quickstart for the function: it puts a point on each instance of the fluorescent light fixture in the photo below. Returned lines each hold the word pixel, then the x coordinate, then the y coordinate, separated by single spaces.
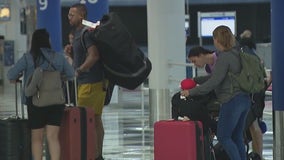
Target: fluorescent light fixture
pixel 5 12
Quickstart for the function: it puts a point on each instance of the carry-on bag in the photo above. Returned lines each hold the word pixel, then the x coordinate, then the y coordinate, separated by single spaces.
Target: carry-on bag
pixel 77 132
pixel 15 136
pixel 195 108
pixel 124 63
pixel 181 140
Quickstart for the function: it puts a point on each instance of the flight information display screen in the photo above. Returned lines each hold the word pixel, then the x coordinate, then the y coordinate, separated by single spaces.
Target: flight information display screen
pixel 209 21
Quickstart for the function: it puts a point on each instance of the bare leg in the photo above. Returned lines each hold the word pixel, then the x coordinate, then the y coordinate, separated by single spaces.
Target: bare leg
pixel 52 134
pixel 99 133
pixel 37 143
pixel 257 140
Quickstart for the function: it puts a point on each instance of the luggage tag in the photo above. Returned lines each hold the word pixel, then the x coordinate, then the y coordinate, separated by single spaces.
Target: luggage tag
pixel 185 118
pixel 183 97
pixel 90 24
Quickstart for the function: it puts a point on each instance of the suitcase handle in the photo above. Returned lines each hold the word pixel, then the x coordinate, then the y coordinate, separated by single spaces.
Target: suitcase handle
pixel 68 93
pixel 19 81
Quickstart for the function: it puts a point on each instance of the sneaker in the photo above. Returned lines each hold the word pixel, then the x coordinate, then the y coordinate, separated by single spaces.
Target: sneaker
pixel 100 158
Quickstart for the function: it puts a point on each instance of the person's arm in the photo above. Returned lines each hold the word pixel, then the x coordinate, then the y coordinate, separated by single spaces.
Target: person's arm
pixel 68 50
pixel 16 71
pixel 218 75
pixel 92 57
pixel 68 70
pixel 201 79
pixel 92 54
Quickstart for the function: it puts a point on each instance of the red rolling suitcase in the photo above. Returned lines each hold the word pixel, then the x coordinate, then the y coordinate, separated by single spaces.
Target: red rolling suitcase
pixel 77 133
pixel 181 140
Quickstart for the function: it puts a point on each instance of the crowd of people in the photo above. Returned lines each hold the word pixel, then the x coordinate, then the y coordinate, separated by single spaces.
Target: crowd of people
pixel 83 63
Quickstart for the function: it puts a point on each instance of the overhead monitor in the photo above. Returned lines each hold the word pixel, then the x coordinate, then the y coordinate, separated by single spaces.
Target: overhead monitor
pixel 208 21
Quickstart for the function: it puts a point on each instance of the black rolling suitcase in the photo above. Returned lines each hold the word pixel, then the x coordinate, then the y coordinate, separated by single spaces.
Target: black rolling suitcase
pixel 15 136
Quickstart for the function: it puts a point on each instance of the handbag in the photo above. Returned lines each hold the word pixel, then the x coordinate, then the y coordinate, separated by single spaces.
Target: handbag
pixel 45 86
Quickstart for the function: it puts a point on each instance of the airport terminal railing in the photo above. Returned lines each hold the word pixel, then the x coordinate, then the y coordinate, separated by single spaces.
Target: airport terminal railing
pixel 194 72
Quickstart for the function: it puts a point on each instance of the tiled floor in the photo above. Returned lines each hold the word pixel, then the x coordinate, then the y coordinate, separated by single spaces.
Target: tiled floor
pixel 128 136
pixel 127 132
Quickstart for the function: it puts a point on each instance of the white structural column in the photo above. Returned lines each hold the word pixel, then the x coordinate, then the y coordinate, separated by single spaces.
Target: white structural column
pixel 166 42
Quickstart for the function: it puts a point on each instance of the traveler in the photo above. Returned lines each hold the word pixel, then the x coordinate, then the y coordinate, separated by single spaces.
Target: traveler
pixel 255 114
pixel 89 72
pixel 234 103
pixel 42 119
pixel 68 49
pixel 201 57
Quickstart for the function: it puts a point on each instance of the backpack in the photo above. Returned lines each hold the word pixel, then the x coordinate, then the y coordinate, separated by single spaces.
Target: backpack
pixel 124 63
pixel 45 86
pixel 50 91
pixel 251 77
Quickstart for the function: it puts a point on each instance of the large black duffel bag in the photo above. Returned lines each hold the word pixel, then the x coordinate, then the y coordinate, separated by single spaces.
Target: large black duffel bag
pixel 124 63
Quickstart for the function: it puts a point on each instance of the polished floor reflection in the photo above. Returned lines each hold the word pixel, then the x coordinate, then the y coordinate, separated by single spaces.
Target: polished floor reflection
pixel 128 135
pixel 127 132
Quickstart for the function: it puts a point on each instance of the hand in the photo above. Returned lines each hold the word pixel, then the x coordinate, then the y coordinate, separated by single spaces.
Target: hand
pixel 69 60
pixel 184 93
pixel 68 50
pixel 77 72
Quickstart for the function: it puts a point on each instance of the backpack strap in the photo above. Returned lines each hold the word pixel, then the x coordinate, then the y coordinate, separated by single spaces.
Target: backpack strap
pixel 236 53
pixel 84 30
pixel 50 64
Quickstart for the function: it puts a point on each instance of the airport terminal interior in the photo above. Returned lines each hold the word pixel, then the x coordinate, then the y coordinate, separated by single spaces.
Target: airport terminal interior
pixel 128 134
pixel 128 128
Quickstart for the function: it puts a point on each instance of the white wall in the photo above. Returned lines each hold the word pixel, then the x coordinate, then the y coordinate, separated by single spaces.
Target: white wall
pixel 264 51
pixel 11 31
